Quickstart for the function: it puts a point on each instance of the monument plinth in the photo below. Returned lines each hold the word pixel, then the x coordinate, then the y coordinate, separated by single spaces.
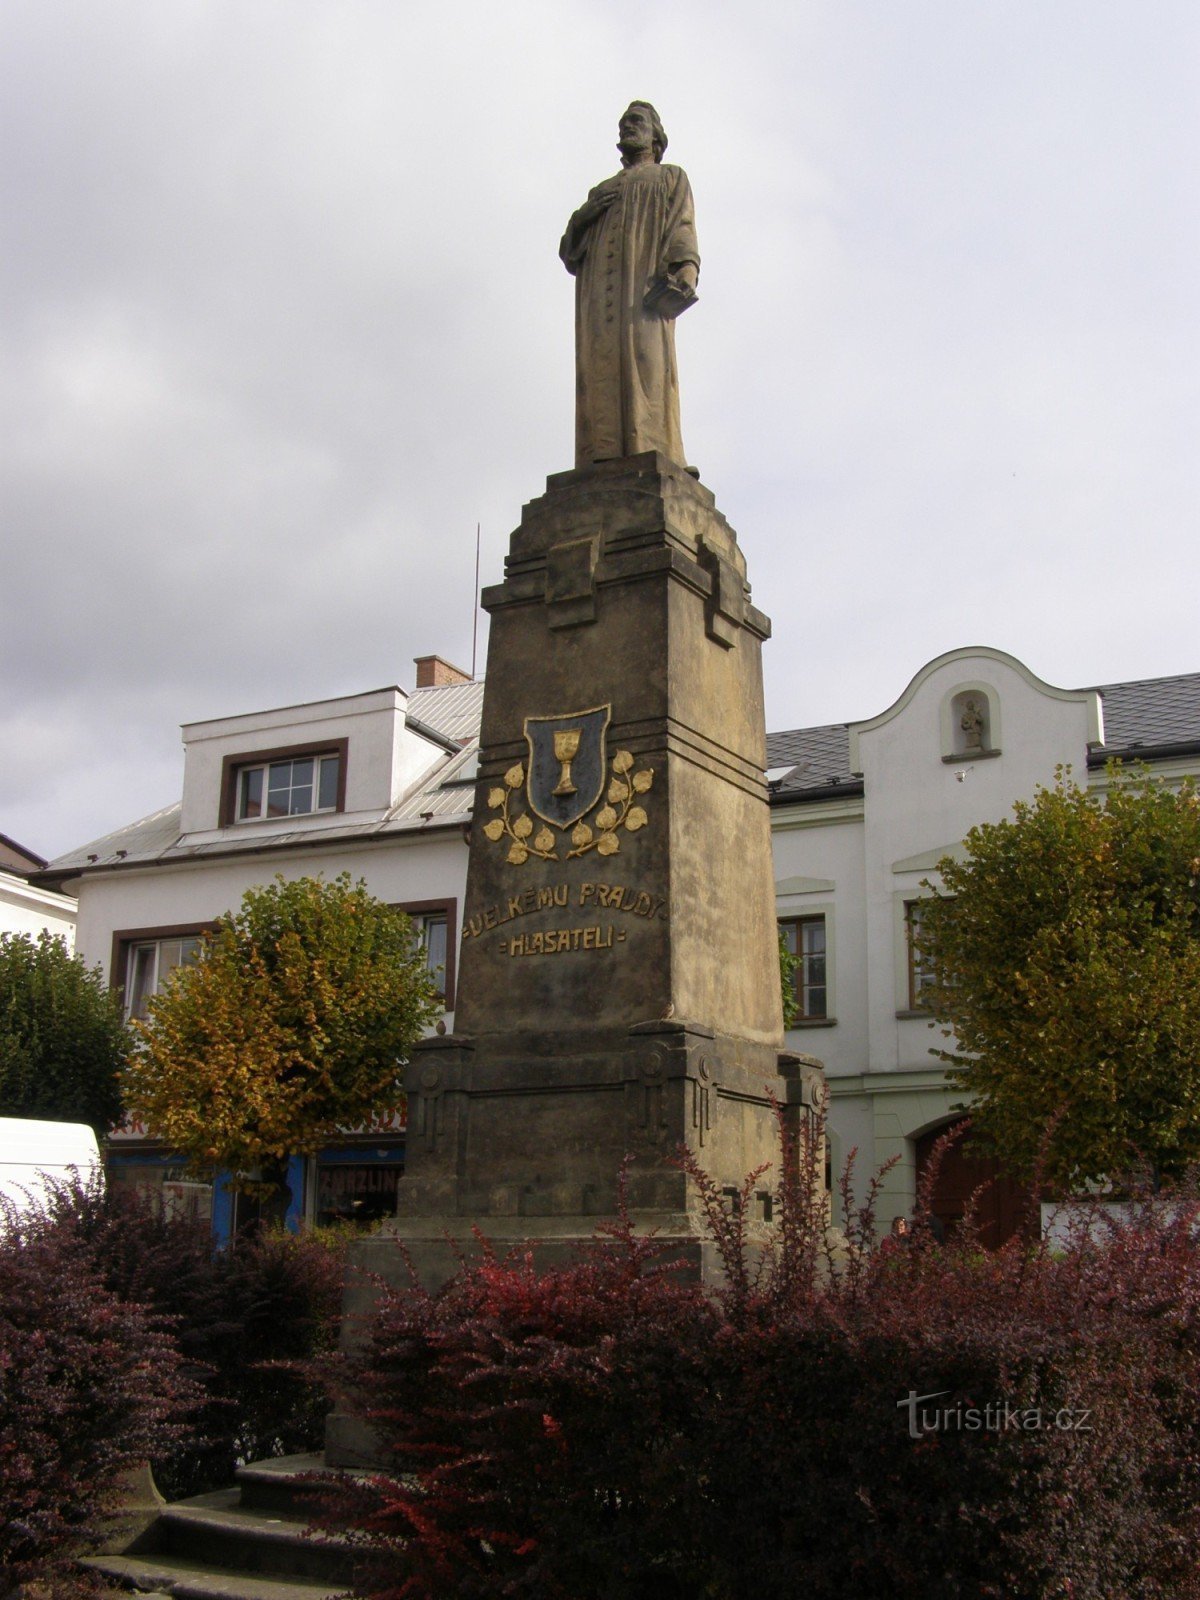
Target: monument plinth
pixel 618 981
pixel 619 974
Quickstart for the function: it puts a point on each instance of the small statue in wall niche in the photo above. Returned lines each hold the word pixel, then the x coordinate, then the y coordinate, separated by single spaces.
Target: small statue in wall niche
pixel 971 723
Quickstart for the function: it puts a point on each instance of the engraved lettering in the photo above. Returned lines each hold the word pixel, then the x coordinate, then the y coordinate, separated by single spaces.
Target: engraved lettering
pixel 557 941
pixel 586 892
pixel 514 907
pixel 490 919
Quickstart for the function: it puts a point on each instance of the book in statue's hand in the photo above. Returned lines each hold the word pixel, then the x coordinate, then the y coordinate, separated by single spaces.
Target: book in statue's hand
pixel 668 296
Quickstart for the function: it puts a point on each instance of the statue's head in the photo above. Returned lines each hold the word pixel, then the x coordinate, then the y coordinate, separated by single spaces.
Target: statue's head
pixel 640 121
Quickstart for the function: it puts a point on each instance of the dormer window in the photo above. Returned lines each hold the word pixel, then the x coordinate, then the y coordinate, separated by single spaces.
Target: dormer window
pixel 275 784
pixel 289 788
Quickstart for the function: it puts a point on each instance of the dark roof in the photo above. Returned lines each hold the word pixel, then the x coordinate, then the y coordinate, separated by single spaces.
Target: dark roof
pixel 819 759
pixel 1152 717
pixel 18 858
pixel 1151 713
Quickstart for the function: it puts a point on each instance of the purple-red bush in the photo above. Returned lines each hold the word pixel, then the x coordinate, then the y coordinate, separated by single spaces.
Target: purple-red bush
pixel 245 1321
pixel 89 1386
pixel 533 1416
pixel 607 1430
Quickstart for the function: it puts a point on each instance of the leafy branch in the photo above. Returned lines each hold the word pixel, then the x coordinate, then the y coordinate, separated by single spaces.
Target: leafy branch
pixel 619 811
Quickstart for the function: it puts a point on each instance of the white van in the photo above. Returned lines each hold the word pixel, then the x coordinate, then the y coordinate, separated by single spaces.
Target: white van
pixel 32 1151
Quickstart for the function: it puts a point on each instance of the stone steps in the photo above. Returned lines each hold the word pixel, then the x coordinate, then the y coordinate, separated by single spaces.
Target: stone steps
pixel 245 1543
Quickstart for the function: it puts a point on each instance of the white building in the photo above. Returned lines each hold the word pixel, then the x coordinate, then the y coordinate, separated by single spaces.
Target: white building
pixel 381 785
pixel 30 908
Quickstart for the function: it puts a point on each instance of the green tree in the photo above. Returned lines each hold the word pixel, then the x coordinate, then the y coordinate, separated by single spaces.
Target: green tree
pixel 291 1025
pixel 1066 957
pixel 62 1040
pixel 789 964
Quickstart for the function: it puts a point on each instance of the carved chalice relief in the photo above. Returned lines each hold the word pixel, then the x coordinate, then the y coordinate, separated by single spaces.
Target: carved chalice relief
pixel 566 748
pixel 616 812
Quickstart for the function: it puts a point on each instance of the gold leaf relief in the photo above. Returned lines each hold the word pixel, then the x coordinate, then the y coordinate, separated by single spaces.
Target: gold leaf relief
pixel 601 836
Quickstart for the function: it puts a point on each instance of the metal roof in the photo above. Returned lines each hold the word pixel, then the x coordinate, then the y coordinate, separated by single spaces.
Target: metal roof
pixel 454 709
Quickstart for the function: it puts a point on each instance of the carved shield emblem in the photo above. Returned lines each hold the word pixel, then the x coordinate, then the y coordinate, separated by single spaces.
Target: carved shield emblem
pixel 567 764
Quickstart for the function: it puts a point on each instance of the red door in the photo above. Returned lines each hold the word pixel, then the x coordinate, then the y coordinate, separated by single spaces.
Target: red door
pixel 1001 1204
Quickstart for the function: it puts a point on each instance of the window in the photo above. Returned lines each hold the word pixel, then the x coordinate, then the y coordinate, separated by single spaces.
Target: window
pixel 357 1188
pixel 291 788
pixel 161 1183
pixel 805 939
pixel 272 784
pixel 921 972
pixel 433 924
pixel 150 963
pixel 431 929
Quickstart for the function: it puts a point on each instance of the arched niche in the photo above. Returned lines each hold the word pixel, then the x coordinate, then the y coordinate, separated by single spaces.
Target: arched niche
pixel 970 723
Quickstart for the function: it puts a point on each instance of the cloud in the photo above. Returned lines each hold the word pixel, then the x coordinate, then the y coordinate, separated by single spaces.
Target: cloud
pixel 284 320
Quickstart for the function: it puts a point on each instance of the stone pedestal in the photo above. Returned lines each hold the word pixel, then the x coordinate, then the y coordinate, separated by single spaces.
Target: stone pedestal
pixel 618 989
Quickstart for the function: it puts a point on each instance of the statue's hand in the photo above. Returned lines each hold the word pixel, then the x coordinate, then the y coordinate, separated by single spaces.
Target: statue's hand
pixel 687 272
pixel 596 204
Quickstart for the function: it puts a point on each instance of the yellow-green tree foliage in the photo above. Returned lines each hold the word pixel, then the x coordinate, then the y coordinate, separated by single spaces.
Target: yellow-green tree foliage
pixel 1066 948
pixel 292 1024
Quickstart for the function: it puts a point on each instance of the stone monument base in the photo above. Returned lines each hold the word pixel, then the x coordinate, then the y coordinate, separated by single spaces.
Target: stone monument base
pixel 551 1219
pixel 618 976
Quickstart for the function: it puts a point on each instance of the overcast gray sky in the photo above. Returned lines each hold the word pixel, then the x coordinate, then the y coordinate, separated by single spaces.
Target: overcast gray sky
pixel 281 318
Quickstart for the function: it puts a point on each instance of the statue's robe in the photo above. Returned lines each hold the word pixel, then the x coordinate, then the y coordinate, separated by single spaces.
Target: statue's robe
pixel 626 381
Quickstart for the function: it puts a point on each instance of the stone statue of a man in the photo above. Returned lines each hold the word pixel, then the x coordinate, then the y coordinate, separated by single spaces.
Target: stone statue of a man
pixel 632 249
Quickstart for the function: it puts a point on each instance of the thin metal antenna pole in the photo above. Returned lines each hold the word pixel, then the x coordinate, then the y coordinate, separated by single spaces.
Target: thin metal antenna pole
pixel 475 609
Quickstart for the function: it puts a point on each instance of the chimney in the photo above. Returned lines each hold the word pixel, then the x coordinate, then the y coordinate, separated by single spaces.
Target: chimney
pixel 433 672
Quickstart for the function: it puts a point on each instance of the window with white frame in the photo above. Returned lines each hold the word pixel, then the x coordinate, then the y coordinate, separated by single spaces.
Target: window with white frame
pixel 921 971
pixel 805 939
pixel 433 924
pixel 295 786
pixel 433 930
pixel 149 964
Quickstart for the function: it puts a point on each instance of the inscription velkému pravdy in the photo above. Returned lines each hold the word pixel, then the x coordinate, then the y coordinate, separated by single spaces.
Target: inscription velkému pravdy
pixel 558 896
